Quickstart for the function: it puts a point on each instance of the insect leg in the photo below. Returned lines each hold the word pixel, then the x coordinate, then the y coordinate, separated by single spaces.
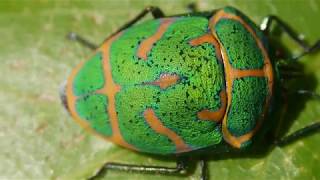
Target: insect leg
pixel 305 131
pixel 203 166
pixel 86 43
pixel 179 169
pixel 307 49
pixel 155 12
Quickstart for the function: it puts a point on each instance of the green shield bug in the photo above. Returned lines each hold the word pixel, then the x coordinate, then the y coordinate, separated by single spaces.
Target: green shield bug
pixel 195 82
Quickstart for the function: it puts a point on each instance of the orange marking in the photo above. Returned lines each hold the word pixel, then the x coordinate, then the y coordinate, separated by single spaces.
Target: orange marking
pixel 165 80
pixel 71 100
pixel 236 73
pixel 156 125
pixel 110 89
pixel 231 74
pixel 147 44
pixel 208 38
pixel 216 115
pixel 71 103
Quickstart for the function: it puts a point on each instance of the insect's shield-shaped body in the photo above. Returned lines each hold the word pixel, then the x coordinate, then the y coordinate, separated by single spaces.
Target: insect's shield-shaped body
pixel 176 84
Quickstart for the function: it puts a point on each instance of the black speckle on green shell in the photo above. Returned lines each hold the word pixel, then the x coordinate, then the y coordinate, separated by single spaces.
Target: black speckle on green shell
pixel 90 77
pixel 131 103
pixel 240 45
pixel 90 106
pixel 247 20
pixel 201 80
pixel 248 73
pixel 93 109
pixel 248 99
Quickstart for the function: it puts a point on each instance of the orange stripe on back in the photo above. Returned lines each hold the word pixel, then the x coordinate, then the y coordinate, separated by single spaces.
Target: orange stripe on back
pixel 110 90
pixel 231 74
pixel 207 114
pixel 236 73
pixel 71 99
pixel 208 38
pixel 147 44
pixel 156 124
pixel 215 115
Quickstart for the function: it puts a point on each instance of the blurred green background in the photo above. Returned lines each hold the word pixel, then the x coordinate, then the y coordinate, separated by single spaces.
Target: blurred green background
pixel 38 139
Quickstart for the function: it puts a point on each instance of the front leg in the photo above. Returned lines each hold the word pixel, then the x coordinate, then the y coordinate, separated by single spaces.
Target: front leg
pixel 307 49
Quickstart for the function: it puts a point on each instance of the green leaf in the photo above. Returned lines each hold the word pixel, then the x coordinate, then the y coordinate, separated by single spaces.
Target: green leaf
pixel 39 140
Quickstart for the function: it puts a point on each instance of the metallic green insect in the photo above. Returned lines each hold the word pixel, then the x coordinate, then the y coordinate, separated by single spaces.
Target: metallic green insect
pixel 180 84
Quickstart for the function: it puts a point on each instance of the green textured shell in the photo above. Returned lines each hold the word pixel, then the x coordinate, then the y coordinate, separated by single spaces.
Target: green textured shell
pixel 175 84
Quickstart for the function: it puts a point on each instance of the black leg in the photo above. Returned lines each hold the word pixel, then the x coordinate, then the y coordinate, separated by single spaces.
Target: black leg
pixel 75 37
pixel 179 169
pixel 305 131
pixel 204 173
pixel 307 49
pixel 155 11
